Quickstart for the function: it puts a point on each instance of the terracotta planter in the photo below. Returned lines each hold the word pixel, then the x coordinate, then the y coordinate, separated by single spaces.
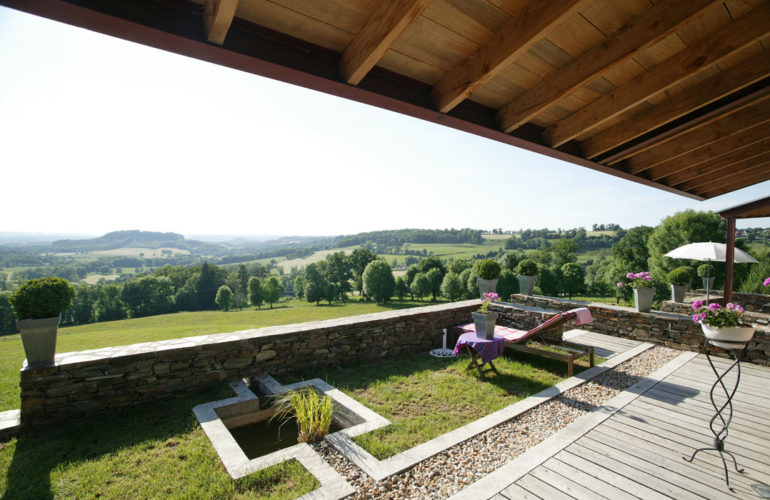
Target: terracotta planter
pixel 39 339
pixel 486 286
pixel 526 284
pixel 643 299
pixel 485 324
pixel 736 334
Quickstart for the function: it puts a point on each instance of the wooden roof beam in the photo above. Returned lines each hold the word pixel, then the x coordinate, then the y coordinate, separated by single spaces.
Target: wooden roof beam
pixel 725 41
pixel 533 23
pixel 218 15
pixel 720 85
pixel 745 167
pixel 640 33
pixel 744 181
pixel 388 22
pixel 747 116
pixel 715 162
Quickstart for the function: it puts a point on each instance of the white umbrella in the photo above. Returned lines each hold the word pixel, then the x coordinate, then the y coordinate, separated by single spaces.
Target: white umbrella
pixel 708 251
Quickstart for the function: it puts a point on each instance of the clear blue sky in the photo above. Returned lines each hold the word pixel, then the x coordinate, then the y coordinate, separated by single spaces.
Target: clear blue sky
pixel 98 134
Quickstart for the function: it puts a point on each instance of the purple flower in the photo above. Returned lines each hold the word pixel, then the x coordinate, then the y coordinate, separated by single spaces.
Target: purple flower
pixel 697 305
pixel 620 284
pixel 491 296
pixel 695 318
pixel 739 309
pixel 647 278
pixel 767 282
pixel 730 306
pixel 702 315
pixel 714 306
pixel 632 276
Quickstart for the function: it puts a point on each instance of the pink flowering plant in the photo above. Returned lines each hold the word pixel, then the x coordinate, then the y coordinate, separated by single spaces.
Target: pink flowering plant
pixel 717 316
pixel 638 280
pixel 766 282
pixel 487 303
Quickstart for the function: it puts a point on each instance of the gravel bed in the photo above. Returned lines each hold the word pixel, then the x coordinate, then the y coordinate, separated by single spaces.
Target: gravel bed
pixel 455 468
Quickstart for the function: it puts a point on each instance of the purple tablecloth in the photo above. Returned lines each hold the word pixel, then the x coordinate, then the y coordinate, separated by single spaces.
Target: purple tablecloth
pixel 487 349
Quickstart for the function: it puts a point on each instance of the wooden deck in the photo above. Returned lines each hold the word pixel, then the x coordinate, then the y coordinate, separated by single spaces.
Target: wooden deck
pixel 638 451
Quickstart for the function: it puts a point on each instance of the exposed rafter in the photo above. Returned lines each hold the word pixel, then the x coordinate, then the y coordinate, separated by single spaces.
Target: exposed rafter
pixel 717 189
pixel 640 33
pixel 750 115
pixel 217 17
pixel 533 23
pixel 730 160
pixel 735 36
pixel 724 174
pixel 389 20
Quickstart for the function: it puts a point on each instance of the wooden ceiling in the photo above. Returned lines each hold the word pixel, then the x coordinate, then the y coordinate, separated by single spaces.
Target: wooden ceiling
pixel 669 93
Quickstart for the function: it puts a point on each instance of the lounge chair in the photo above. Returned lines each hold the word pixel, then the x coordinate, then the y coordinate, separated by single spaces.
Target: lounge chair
pixel 516 339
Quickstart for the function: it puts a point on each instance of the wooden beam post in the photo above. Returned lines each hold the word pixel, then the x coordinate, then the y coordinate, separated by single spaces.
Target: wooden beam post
pixel 729 260
pixel 218 15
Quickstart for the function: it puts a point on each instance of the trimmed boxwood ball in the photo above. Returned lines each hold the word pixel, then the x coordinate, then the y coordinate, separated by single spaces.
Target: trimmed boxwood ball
pixel 705 270
pixel 680 276
pixel 527 267
pixel 42 298
pixel 487 269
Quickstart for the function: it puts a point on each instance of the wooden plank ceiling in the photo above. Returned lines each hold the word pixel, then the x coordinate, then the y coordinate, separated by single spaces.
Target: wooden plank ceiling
pixel 673 94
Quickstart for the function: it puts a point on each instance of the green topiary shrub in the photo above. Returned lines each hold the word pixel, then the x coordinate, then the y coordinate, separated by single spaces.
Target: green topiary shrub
pixel 42 298
pixel 680 276
pixel 527 267
pixel 487 269
pixel 705 270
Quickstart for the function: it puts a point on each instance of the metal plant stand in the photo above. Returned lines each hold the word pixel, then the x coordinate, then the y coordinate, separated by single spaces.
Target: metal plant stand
pixel 724 412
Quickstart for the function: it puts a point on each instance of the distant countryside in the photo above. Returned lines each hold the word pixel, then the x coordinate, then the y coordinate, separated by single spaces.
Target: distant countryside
pixel 134 274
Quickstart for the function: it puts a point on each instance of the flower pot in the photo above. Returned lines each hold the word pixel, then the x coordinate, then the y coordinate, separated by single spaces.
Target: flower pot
pixel 486 286
pixel 677 292
pixel 738 334
pixel 526 284
pixel 643 298
pixel 708 283
pixel 485 324
pixel 39 339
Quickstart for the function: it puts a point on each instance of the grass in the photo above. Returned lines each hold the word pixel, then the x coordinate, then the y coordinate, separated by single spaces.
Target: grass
pixel 152 452
pixel 425 397
pixel 172 326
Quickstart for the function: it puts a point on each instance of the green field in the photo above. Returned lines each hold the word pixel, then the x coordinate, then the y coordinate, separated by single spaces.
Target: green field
pixel 171 326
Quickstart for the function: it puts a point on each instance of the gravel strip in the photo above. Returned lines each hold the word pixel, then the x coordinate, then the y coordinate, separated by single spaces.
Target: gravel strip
pixel 455 468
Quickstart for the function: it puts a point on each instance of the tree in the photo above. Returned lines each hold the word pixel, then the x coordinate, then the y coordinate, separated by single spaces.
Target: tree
pixel 411 272
pixel 421 285
pixel 435 276
pixel 565 250
pixel 314 292
pixel 401 287
pixel 379 282
pixel 147 295
pixel 359 259
pixel 573 278
pixel 272 290
pixel 677 230
pixel 507 284
pixel 511 260
pixel 630 254
pixel 299 287
pixel 339 272
pixel 316 285
pixel 210 279
pixel 550 280
pixel 330 293
pixel 224 298
pixel 451 287
pixel 242 278
pixel 256 296
pixel 108 307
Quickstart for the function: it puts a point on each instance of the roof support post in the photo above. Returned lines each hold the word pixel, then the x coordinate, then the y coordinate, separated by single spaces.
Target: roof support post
pixel 729 260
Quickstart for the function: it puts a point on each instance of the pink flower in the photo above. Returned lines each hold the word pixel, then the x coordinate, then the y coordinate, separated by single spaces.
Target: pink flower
pixel 647 278
pixel 695 318
pixel 714 306
pixel 697 305
pixel 620 284
pixel 702 315
pixel 739 308
pixel 730 306
pixel 632 276
pixel 767 282
pixel 491 296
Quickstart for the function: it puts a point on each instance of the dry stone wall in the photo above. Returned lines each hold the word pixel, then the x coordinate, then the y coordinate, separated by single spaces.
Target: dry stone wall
pixel 670 329
pixel 88 382
pixel 754 302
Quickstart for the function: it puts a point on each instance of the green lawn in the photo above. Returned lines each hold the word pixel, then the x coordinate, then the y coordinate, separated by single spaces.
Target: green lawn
pixel 171 326
pixel 150 452
pixel 425 397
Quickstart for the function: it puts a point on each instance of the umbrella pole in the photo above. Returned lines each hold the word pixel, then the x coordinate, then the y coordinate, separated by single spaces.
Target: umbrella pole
pixel 708 281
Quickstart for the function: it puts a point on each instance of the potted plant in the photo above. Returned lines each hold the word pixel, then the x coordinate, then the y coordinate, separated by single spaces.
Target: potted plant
pixel 722 324
pixel 679 279
pixel 643 292
pixel 527 273
pixel 706 272
pixel 38 305
pixel 484 319
pixel 487 271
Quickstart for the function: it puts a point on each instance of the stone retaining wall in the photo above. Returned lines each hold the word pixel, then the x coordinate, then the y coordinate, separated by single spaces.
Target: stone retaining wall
pixel 88 382
pixel 754 302
pixel 673 330
pixel 686 308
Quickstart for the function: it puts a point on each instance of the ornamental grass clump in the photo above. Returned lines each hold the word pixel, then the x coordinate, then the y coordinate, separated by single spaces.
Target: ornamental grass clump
pixel 312 411
pixel 638 280
pixel 716 316
pixel 487 302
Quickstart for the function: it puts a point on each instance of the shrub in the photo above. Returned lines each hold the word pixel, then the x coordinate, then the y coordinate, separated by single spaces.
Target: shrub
pixel 487 269
pixel 527 267
pixel 680 276
pixel 705 270
pixel 42 298
pixel 224 298
pixel 379 283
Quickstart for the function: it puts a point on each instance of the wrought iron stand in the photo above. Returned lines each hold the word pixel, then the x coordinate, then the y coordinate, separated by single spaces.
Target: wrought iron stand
pixel 736 349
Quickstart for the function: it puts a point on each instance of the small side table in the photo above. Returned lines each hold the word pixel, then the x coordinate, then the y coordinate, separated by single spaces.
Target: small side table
pixel 481 351
pixel 737 350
